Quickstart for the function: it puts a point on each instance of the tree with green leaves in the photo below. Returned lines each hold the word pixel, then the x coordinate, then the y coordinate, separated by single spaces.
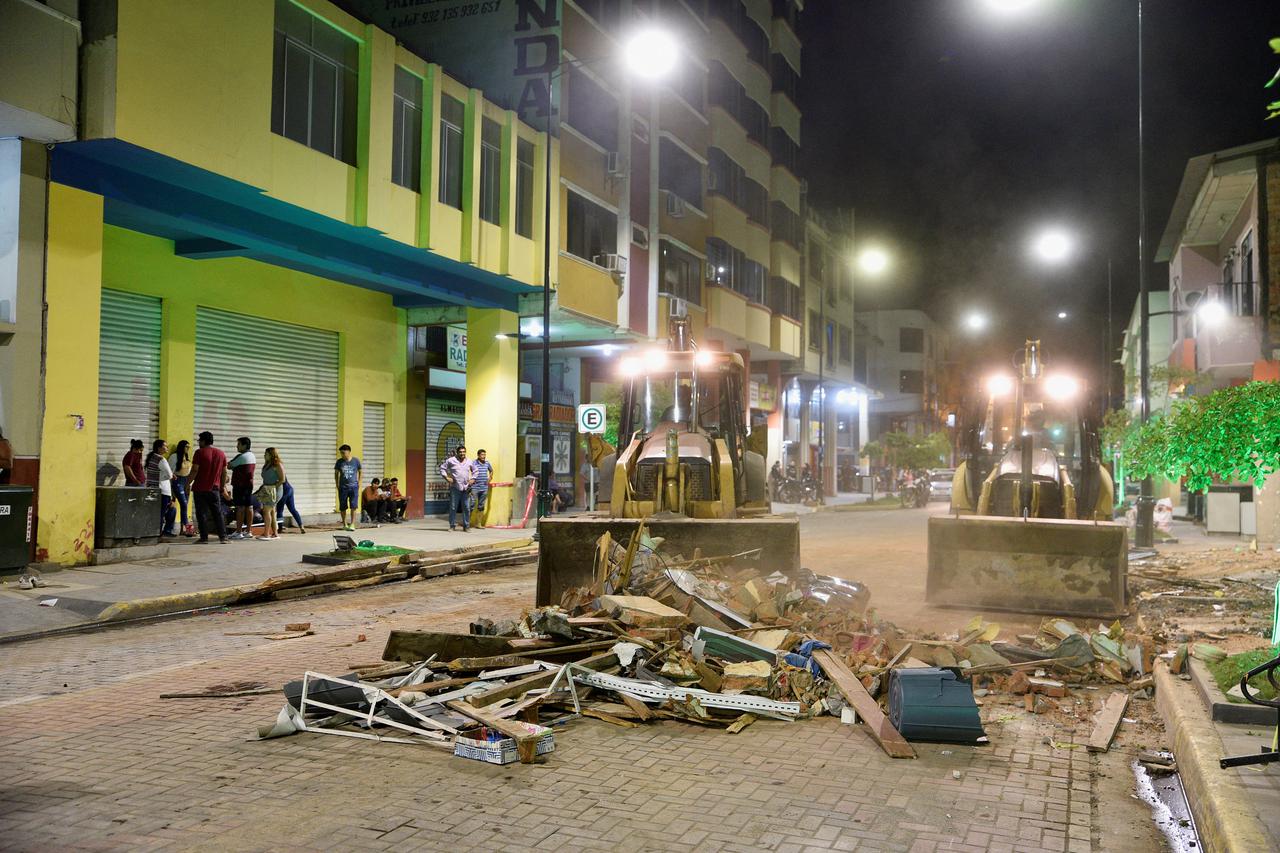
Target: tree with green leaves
pixel 1274 106
pixel 1231 434
pixel 904 450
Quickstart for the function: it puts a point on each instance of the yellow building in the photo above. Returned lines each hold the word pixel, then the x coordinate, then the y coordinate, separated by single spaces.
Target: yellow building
pixel 249 205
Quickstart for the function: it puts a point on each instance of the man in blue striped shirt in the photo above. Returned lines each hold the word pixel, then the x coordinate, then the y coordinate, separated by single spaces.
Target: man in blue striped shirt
pixel 480 489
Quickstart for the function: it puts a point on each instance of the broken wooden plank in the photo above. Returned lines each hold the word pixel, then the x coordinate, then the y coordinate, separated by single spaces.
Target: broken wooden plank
pixel 868 709
pixel 740 723
pixel 431 686
pixel 412 646
pixel 526 741
pixel 639 708
pixel 1108 721
pixel 540 680
pixel 224 694
pixel 641 611
pixel 609 718
pixel 501 661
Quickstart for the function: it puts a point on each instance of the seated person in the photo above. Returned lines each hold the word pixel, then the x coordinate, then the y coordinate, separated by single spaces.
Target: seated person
pixel 396 501
pixel 561 495
pixel 372 503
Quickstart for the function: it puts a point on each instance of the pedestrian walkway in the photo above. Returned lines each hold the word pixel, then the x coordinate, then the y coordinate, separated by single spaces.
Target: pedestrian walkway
pixel 83 592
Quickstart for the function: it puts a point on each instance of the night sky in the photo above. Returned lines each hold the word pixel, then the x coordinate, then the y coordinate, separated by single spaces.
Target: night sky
pixel 955 132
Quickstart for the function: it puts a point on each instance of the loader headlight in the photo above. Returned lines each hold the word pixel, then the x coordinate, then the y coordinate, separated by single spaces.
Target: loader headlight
pixel 629 366
pixel 655 359
pixel 1061 387
pixel 999 385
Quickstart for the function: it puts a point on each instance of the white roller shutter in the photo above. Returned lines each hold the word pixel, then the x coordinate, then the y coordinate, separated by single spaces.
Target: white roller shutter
pixel 446 428
pixel 374 456
pixel 276 383
pixel 128 379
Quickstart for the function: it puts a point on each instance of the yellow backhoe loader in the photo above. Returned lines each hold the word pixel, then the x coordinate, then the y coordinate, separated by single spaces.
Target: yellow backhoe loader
pixel 1031 524
pixel 683 468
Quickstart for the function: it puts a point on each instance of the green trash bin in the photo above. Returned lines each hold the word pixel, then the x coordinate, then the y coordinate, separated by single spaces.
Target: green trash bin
pixel 17 527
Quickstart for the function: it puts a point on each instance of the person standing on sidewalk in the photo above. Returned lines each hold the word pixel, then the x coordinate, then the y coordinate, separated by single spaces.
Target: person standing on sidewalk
pixel 269 492
pixel 242 468
pixel 484 475
pixel 160 475
pixel 134 472
pixel 459 473
pixel 180 464
pixel 208 466
pixel 346 476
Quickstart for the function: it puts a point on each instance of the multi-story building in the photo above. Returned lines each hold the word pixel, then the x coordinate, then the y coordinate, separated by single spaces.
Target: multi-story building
pixel 1159 347
pixel 245 208
pixel 1221 245
pixel 907 361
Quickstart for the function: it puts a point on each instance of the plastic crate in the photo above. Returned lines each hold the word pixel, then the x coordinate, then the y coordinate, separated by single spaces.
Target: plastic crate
pixel 502 751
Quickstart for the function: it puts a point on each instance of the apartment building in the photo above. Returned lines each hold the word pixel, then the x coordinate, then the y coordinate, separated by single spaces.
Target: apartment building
pixel 908 363
pixel 1222 245
pixel 244 210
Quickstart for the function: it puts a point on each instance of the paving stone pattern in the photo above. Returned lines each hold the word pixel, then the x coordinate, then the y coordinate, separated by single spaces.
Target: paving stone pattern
pixel 107 765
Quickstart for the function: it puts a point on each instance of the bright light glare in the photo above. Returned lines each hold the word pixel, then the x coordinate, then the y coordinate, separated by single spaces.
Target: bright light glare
pixel 1053 246
pixel 534 329
pixel 607 350
pixel 873 261
pixel 655 359
pixel 1212 313
pixel 844 398
pixel 975 321
pixel 1008 7
pixel 1062 315
pixel 651 54
pixel 1000 385
pixel 629 366
pixel 703 358
pixel 1061 387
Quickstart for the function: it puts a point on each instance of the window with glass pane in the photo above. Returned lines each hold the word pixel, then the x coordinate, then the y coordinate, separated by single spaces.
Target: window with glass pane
pixel 910 382
pixel 452 119
pixel 524 188
pixel 679 274
pixel 846 345
pixel 406 130
pixel 592 111
pixel 815 333
pixel 313 86
pixel 490 171
pixel 592 229
pixel 910 340
pixel 679 173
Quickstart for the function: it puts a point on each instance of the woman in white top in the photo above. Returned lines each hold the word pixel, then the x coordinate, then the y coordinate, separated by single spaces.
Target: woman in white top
pixel 160 475
pixel 180 462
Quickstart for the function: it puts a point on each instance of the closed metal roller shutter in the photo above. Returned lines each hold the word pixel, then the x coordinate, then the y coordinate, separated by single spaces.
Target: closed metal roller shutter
pixel 128 379
pixel 374 458
pixel 446 428
pixel 278 384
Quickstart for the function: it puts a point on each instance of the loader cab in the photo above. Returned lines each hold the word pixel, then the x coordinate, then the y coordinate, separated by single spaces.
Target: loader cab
pixel 1032 446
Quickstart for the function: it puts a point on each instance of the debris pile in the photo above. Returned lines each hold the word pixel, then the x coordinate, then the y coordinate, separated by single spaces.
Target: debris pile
pixel 711 641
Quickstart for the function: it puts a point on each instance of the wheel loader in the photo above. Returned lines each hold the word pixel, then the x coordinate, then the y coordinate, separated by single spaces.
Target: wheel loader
pixel 1030 527
pixel 684 467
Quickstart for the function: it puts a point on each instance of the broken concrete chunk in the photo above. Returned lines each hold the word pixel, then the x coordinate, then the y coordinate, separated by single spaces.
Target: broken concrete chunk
pixel 640 611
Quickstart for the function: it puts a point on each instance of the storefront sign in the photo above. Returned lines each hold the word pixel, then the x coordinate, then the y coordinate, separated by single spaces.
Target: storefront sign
pixel 456 346
pixel 762 396
pixel 559 414
pixel 505 47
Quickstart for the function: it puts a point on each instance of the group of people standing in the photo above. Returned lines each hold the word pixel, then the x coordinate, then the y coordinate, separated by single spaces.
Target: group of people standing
pixel 208 480
pixel 468 486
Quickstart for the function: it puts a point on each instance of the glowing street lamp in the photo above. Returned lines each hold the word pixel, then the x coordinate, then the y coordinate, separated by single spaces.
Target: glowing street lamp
pixel 651 54
pixel 1053 246
pixel 976 321
pixel 873 261
pixel 1062 315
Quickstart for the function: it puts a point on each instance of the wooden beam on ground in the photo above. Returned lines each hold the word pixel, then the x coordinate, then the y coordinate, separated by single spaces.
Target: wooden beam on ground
pixel 1108 721
pixel 467 664
pixel 538 681
pixel 893 743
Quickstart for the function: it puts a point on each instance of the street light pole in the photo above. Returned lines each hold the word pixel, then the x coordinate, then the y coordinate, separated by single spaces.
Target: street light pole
pixel 1144 533
pixel 544 470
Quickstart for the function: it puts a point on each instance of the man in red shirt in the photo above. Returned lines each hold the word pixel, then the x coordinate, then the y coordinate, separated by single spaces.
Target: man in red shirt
pixel 134 473
pixel 208 466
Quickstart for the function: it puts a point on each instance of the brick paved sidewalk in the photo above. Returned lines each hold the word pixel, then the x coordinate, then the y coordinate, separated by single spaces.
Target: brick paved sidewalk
pixel 107 765
pixel 85 591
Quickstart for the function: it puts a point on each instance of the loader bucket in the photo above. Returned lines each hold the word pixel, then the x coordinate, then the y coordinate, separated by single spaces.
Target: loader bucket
pixel 1054 566
pixel 567 546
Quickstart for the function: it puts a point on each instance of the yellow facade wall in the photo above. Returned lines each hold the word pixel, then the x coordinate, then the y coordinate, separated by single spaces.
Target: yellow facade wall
pixel 142 264
pixel 726 310
pixel 69 437
pixel 492 397
pixel 757 319
pixel 785 336
pixel 587 290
